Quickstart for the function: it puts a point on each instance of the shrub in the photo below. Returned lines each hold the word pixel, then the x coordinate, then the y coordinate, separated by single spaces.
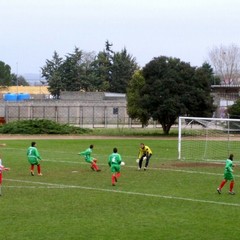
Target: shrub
pixel 40 126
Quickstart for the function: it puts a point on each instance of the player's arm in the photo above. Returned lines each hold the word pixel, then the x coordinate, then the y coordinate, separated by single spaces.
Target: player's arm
pixel 83 153
pixel 109 161
pixel 140 153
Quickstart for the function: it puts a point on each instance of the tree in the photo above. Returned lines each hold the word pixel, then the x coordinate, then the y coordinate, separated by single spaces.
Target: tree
pixel 225 60
pixel 214 80
pixel 174 88
pixel 71 71
pixel 18 80
pixel 51 72
pixel 234 110
pixel 101 71
pixel 123 67
pixel 108 71
pixel 5 74
pixel 102 68
pixel 134 110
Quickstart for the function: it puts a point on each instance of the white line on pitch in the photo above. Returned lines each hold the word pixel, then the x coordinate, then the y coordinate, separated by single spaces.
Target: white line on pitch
pixel 126 192
pixel 159 169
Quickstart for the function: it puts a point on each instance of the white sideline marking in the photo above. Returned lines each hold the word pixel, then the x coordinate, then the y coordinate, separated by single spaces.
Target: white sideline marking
pixel 54 185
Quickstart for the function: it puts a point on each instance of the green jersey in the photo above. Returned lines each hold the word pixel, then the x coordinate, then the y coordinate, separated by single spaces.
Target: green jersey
pixel 33 155
pixel 228 170
pixel 114 161
pixel 87 154
pixel 114 158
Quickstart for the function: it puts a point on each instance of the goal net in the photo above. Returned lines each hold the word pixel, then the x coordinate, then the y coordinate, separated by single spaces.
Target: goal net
pixel 208 138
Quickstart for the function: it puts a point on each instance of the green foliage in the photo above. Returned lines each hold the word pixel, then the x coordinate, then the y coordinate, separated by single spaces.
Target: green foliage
pixel 5 74
pixel 134 109
pixel 234 110
pixel 51 72
pixel 18 80
pixel 122 69
pixel 40 126
pixel 174 88
pixel 106 71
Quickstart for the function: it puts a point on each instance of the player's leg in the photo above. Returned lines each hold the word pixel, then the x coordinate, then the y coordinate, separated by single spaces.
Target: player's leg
pixel 140 162
pixel 114 178
pixel 94 165
pixel 117 172
pixel 32 169
pixel 147 161
pixel 231 187
pixel 221 185
pixel 39 170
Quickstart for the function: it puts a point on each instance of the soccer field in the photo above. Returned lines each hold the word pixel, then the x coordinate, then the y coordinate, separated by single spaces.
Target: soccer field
pixel 171 200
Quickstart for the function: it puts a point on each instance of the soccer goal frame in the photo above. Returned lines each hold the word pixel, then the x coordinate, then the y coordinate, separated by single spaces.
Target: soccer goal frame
pixel 208 138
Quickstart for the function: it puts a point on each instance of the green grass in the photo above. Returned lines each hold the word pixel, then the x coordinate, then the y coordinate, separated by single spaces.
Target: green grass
pixel 70 201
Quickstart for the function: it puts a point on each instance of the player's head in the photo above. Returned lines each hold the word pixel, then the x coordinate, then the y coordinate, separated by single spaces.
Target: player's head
pixel 142 145
pixel 33 144
pixel 115 150
pixel 231 156
pixel 91 146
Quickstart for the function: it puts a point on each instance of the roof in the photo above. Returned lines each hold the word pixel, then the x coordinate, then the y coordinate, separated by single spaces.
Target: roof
pixel 26 89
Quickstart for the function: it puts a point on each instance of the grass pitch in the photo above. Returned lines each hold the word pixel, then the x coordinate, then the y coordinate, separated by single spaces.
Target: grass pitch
pixel 70 201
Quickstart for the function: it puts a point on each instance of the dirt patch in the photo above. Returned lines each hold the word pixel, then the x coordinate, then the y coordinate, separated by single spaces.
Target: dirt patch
pixel 193 165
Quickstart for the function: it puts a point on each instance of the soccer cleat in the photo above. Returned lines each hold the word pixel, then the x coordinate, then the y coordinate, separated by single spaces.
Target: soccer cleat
pixel 39 174
pixel 219 190
pixel 32 173
pixel 99 170
pixel 145 168
pixel 231 193
pixel 113 184
pixel 139 169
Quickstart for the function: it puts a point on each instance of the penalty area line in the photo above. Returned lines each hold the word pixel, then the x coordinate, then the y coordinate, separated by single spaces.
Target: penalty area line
pixel 54 185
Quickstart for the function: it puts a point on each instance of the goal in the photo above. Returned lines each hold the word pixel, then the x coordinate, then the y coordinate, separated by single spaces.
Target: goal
pixel 208 139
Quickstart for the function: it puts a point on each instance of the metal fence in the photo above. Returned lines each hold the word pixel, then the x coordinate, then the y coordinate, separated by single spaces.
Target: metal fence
pixel 83 116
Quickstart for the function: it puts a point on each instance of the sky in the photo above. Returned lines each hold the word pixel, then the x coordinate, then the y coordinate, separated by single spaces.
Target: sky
pixel 31 30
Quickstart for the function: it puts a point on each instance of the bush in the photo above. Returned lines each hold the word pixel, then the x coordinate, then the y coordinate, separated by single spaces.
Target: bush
pixel 40 126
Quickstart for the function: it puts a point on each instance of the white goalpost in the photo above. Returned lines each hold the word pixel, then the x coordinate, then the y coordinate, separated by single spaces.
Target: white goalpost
pixel 208 139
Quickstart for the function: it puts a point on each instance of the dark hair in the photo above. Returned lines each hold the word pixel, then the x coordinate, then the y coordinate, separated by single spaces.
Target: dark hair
pixel 91 146
pixel 33 144
pixel 231 156
pixel 115 150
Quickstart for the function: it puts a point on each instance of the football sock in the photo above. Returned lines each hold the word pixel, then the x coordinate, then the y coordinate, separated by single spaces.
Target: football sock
pixel 222 184
pixel 32 167
pixel 95 166
pixel 118 175
pixel 113 179
pixel 39 168
pixel 0 178
pixel 231 185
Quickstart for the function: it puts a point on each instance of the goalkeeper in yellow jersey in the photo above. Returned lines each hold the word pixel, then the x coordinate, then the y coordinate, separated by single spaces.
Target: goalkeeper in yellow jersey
pixel 228 176
pixel 145 153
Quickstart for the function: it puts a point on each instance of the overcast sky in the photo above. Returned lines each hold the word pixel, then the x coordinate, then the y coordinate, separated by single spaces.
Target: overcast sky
pixel 31 30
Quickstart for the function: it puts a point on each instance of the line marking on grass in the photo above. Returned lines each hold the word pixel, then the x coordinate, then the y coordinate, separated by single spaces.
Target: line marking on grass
pixel 55 185
pixel 156 169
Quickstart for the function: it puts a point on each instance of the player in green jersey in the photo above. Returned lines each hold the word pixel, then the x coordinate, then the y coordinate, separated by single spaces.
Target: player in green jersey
pixel 93 161
pixel 114 162
pixel 144 152
pixel 228 175
pixel 34 158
